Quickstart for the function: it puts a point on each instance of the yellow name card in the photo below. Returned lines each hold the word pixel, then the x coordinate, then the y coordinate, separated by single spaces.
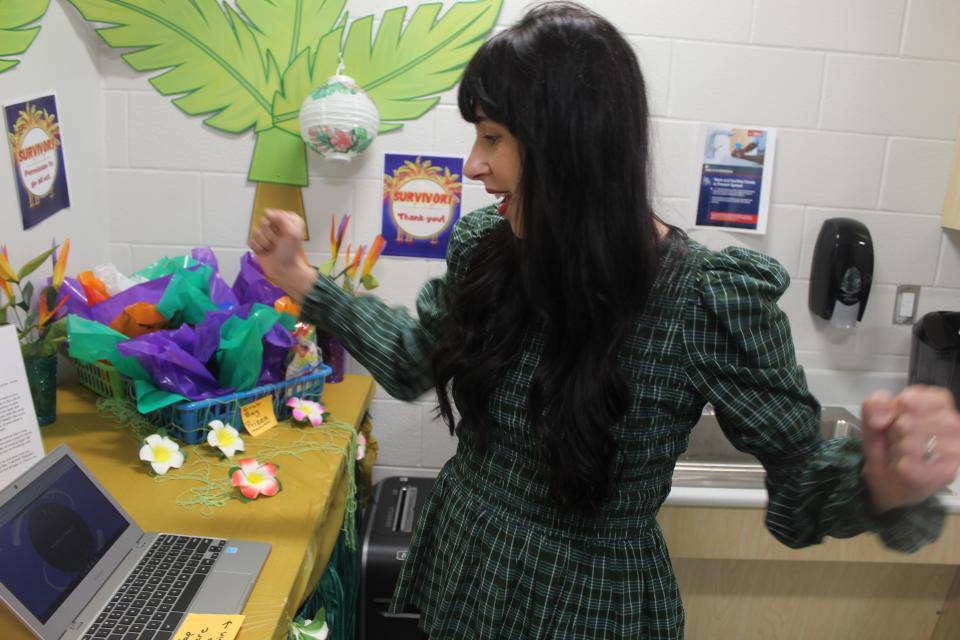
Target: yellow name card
pixel 209 626
pixel 258 416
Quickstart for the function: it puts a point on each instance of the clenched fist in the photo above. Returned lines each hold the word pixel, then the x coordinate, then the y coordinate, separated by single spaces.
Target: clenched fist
pixel 911 443
pixel 278 246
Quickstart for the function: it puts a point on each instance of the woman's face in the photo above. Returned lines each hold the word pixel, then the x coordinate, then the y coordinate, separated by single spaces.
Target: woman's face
pixel 495 161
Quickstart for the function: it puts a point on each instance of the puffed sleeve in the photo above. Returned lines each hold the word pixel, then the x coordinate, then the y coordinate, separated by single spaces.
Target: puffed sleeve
pixel 741 358
pixel 393 345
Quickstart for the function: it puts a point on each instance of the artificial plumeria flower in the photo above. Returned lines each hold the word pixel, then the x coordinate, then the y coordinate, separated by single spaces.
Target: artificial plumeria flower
pixel 307 411
pixel 255 479
pixel 361 446
pixel 162 453
pixel 224 437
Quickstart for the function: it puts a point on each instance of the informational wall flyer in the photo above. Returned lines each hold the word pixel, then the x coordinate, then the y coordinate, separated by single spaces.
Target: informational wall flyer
pixel 20 443
pixel 36 147
pixel 421 203
pixel 735 178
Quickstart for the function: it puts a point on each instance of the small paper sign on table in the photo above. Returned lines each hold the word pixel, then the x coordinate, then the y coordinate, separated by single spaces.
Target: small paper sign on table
pixel 258 416
pixel 209 626
pixel 20 443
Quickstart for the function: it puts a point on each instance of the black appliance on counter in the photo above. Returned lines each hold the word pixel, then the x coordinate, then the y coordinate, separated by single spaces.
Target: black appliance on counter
pixel 935 351
pixel 388 524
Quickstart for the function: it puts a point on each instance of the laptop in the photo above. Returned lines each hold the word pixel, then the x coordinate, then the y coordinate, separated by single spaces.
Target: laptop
pixel 74 564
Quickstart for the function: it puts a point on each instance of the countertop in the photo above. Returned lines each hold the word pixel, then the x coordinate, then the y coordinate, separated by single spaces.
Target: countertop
pixel 753 498
pixel 756 498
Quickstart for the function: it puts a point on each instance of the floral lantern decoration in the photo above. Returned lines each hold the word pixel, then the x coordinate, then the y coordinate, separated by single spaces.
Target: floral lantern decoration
pixel 339 120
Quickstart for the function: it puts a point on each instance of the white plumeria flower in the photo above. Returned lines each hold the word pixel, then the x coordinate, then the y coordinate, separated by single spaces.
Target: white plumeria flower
pixel 162 453
pixel 224 437
pixel 361 446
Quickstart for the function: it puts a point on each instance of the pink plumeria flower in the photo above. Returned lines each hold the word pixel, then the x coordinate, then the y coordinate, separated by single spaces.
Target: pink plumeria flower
pixel 162 453
pixel 361 446
pixel 255 479
pixel 224 437
pixel 306 411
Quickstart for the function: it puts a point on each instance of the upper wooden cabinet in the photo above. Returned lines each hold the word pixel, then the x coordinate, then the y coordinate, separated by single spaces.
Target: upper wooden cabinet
pixel 951 207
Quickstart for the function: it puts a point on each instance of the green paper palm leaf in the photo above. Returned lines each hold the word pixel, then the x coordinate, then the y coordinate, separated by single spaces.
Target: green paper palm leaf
pixel 407 67
pixel 288 27
pixel 254 67
pixel 15 36
pixel 210 54
pixel 308 71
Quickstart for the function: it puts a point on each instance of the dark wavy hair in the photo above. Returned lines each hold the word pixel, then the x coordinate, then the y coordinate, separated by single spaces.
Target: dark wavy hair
pixel 568 86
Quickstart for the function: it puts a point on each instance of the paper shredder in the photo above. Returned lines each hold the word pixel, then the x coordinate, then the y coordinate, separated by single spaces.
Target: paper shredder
pixel 395 503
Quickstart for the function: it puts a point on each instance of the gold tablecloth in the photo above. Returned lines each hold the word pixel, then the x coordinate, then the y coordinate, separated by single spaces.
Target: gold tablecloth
pixel 301 522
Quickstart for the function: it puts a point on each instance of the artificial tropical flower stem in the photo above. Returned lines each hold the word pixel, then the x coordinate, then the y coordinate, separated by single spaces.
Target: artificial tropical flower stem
pixel 13 306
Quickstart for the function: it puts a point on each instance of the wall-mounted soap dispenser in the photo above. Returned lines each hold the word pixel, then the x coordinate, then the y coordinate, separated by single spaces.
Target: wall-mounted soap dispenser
pixel 841 272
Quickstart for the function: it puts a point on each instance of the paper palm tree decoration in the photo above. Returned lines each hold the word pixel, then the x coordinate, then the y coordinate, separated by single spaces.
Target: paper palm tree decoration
pixel 251 67
pixel 15 36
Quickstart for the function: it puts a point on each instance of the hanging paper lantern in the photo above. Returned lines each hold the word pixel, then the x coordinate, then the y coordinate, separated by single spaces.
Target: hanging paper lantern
pixel 339 120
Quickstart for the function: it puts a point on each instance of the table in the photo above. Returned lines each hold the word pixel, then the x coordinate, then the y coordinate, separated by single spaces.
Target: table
pixel 302 522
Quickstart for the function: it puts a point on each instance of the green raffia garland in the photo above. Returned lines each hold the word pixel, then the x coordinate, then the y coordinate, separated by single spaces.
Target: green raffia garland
pixel 206 469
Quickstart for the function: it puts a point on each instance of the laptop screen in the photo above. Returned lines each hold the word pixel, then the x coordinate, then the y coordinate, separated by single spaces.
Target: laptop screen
pixel 52 534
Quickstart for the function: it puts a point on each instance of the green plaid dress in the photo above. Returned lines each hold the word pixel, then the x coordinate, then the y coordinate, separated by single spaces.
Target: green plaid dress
pixel 491 559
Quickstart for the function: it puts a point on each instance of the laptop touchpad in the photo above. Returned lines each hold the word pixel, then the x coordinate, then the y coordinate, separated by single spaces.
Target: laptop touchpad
pixel 222 592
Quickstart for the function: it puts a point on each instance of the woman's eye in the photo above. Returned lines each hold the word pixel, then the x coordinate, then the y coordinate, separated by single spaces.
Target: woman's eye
pixel 490 139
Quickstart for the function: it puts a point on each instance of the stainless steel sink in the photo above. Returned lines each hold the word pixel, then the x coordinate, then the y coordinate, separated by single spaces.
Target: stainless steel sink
pixel 711 461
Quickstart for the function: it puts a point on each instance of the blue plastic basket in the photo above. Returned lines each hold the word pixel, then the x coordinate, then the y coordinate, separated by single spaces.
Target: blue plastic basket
pixel 187 421
pixel 102 378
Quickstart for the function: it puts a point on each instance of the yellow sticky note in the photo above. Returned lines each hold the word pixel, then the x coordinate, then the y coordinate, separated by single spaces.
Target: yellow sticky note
pixel 209 626
pixel 258 416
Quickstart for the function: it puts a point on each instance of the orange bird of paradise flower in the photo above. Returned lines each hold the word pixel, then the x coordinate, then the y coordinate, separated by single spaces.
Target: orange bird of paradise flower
pixel 378 244
pixel 4 270
pixel 60 266
pixel 45 316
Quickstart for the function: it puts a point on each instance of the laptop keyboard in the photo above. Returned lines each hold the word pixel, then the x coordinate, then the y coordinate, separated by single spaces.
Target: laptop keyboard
pixel 154 598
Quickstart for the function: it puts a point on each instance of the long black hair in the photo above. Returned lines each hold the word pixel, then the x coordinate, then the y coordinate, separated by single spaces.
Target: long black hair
pixel 568 86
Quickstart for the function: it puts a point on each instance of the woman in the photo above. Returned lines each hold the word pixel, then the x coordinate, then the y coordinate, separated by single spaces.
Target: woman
pixel 579 338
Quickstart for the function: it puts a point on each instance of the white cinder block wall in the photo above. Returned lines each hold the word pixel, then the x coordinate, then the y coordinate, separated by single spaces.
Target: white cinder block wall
pixel 865 94
pixel 63 60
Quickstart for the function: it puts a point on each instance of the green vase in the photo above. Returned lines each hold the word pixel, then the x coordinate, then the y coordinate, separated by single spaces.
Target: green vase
pixel 42 376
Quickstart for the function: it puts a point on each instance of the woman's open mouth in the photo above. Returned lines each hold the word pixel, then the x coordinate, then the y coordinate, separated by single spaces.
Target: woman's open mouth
pixel 503 203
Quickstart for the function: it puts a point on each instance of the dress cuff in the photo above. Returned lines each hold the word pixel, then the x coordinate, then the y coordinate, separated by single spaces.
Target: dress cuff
pixel 905 529
pixel 323 302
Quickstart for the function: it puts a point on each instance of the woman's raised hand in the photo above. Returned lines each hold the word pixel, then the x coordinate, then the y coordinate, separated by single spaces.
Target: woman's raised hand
pixel 911 443
pixel 278 245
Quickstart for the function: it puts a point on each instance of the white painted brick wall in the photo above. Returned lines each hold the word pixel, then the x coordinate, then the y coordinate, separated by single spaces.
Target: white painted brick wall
pixel 889 96
pixel 931 30
pixel 847 168
pixel 62 62
pixel 917 172
pixel 745 84
pixel 872 26
pixel 866 94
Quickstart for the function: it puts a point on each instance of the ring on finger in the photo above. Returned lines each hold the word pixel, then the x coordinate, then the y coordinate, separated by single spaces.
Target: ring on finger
pixel 930 452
